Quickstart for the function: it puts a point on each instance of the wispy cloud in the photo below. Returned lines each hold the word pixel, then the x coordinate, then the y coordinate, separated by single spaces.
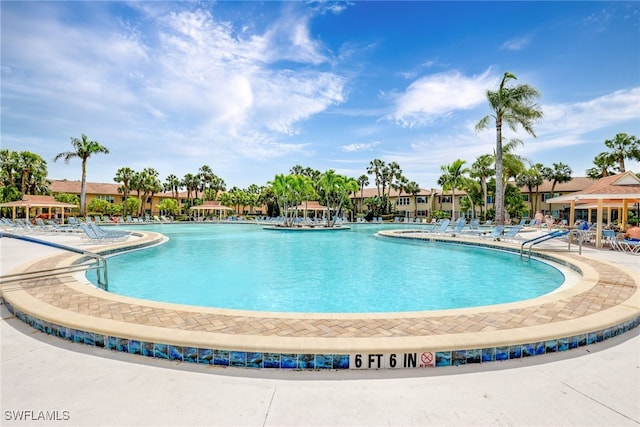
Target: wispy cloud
pixel 517 43
pixel 435 96
pixel 361 146
pixel 202 78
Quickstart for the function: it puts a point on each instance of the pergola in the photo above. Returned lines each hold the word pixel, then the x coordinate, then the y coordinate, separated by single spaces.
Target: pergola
pixel 213 206
pixel 311 205
pixel 617 192
pixel 30 201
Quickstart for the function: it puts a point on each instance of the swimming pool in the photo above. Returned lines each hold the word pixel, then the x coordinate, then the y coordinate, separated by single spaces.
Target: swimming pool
pixel 245 267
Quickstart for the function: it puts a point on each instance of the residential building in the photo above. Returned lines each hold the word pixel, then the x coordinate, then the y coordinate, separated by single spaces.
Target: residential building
pixel 420 205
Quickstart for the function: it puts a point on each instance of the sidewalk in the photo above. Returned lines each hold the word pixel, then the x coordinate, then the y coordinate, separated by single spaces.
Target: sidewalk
pixel 83 386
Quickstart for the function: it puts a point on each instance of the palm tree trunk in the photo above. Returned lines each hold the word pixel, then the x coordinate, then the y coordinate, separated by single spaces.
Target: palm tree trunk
pixel 499 205
pixel 83 189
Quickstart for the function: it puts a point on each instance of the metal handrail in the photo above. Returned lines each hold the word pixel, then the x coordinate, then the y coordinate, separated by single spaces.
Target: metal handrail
pixel 554 234
pixel 99 264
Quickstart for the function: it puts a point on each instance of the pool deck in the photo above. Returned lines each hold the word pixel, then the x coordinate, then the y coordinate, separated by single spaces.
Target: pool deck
pixel 594 385
pixel 607 295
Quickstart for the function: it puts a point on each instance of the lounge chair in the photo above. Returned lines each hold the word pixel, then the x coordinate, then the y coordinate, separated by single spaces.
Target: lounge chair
pixel 26 225
pixel 608 236
pixel 61 228
pixel 112 234
pixel 511 233
pixel 523 222
pixel 91 235
pixel 495 234
pixel 42 227
pixel 440 228
pixel 626 246
pixel 13 226
pixel 459 225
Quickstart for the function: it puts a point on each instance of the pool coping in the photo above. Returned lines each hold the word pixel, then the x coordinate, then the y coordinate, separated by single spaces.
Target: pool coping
pixel 606 302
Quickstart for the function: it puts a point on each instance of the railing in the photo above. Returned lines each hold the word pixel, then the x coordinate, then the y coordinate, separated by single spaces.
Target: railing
pixel 544 237
pixel 98 263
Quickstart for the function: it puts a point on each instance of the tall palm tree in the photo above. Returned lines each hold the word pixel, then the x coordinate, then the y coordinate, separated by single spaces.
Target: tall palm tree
pixel 622 147
pixel 83 149
pixel 124 176
pixel 150 184
pixel 453 176
pixel 205 174
pixel 375 168
pixel 363 181
pixel 191 183
pixel 172 183
pixel 513 106
pixel 394 173
pixel 482 169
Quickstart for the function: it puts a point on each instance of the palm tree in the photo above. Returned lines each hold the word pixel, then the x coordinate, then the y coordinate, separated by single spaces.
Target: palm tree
pixel 453 176
pixel 172 183
pixel 413 188
pixel 513 106
pixel 84 148
pixel 363 181
pixel 482 170
pixel 558 174
pixel 603 166
pixel 205 174
pixel 191 183
pixel 8 166
pixel 622 147
pixel 32 169
pixel 150 185
pixel 375 168
pixel 512 164
pixel 334 190
pixel 531 178
pixel 124 176
pixel 394 172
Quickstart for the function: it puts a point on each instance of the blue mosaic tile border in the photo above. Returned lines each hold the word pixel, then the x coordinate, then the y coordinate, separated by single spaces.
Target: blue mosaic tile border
pixel 259 360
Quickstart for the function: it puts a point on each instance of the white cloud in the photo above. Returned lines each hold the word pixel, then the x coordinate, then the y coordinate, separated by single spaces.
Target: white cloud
pixel 438 95
pixel 362 146
pixel 517 43
pixel 587 116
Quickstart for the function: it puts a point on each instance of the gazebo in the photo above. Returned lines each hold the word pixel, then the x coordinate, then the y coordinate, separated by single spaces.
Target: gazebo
pixel 209 205
pixel 311 205
pixel 612 192
pixel 30 201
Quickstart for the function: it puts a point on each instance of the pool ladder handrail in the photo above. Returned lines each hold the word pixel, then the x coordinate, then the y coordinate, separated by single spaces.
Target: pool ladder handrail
pixel 99 264
pixel 552 235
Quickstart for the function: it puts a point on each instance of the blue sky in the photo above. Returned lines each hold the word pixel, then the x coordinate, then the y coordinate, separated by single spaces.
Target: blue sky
pixel 254 88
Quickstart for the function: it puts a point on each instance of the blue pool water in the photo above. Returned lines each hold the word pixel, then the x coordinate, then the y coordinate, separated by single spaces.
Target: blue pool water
pixel 246 267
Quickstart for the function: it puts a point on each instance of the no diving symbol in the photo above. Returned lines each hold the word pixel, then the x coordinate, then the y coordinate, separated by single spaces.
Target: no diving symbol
pixel 426 358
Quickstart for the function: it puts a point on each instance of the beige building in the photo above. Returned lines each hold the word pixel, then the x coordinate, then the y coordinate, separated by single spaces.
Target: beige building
pixel 420 205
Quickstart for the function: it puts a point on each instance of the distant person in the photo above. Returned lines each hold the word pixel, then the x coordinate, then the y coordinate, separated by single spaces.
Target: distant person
pixel 538 219
pixel 549 220
pixel 632 233
pixel 581 225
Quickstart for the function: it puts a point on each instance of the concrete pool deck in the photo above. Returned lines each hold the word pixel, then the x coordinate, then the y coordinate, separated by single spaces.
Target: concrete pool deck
pixel 417 400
